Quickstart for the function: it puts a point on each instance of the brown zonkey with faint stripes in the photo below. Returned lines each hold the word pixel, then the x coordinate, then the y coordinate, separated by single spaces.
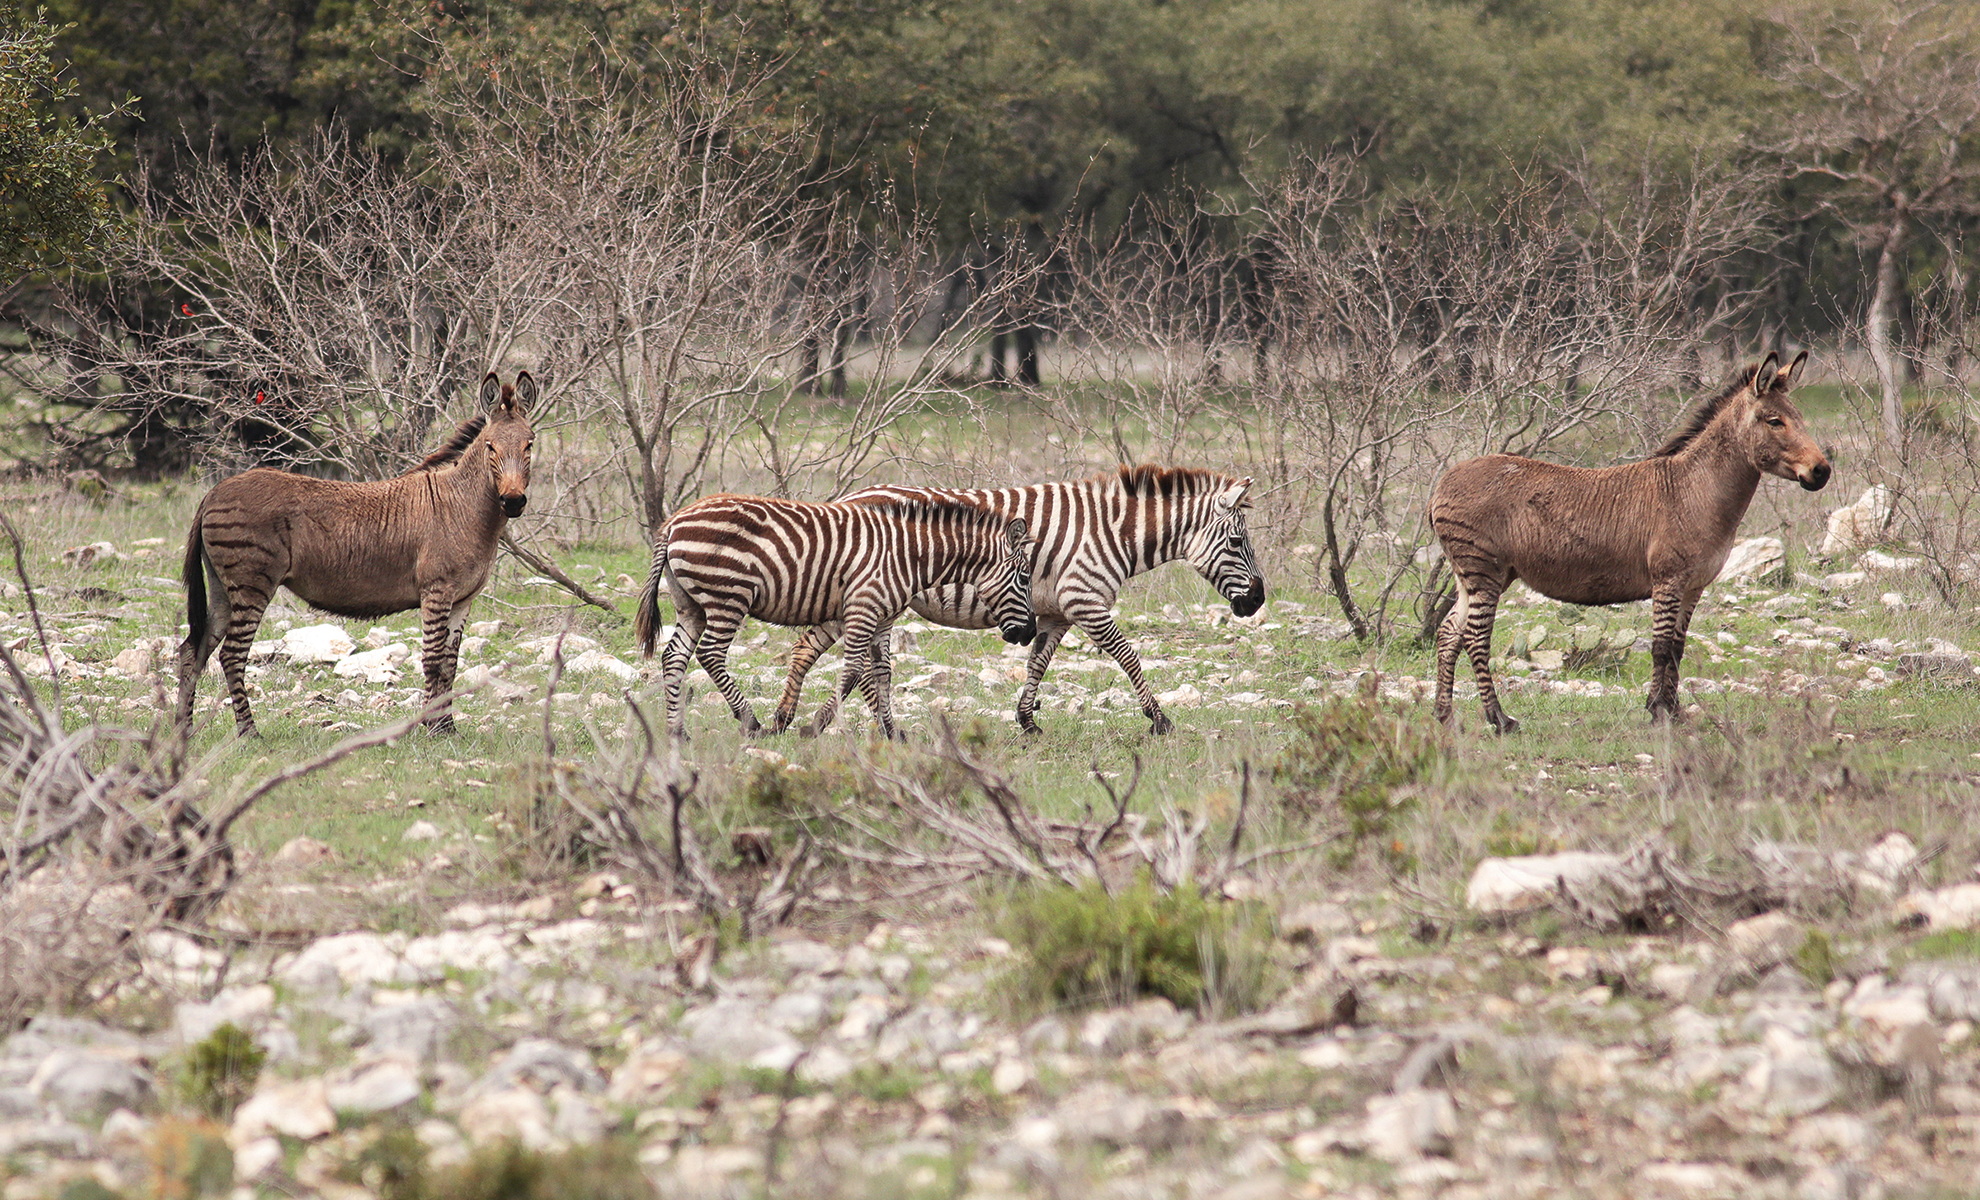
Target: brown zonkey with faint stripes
pixel 424 540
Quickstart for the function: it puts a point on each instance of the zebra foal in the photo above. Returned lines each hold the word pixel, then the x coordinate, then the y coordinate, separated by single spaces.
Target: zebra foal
pixel 788 562
pixel 1090 537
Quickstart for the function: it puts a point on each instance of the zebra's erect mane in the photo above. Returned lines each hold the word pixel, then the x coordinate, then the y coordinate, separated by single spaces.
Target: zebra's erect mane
pixel 456 446
pixel 916 507
pixel 1151 480
pixel 1702 415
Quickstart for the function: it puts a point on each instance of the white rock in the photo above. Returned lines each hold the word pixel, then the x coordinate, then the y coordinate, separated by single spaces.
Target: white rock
pixel 1513 885
pixel 135 661
pixel 1672 980
pixel 645 1075
pixel 486 629
pixel 421 831
pixel 350 959
pixel 516 1114
pixel 382 1086
pixel 1690 1181
pixel 246 1007
pixel 1876 562
pixel 257 1157
pixel 1186 696
pixel 1410 1123
pixel 1760 942
pixel 570 644
pixel 1010 1075
pixel 1955 907
pixel 460 950
pixel 597 661
pixel 1892 856
pixel 317 644
pixel 1858 524
pixel 1754 556
pixel 299 1109
pixel 374 666
pixel 81 557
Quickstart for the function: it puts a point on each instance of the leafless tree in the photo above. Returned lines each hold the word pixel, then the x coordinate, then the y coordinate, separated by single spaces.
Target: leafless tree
pixel 1890 120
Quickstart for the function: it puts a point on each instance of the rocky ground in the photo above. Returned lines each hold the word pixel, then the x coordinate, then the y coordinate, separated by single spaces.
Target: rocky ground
pixel 1485 1061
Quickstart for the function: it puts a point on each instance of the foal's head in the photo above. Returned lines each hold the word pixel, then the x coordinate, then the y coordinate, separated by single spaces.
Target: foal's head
pixel 1221 551
pixel 1775 436
pixel 508 436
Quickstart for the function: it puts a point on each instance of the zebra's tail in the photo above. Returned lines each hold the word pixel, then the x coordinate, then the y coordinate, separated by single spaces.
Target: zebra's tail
pixel 646 614
pixel 193 573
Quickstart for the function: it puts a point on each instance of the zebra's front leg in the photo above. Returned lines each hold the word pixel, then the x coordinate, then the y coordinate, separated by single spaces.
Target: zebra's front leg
pixel 440 621
pixel 878 684
pixel 1670 619
pixel 860 623
pixel 804 654
pixel 1050 633
pixel 1480 612
pixel 1099 627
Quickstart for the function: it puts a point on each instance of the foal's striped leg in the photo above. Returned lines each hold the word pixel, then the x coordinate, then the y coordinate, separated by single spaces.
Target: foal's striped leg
pixel 1051 631
pixel 860 622
pixel 689 621
pixel 804 653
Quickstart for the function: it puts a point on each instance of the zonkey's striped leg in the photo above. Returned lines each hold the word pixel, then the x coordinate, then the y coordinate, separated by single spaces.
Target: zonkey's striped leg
pixel 199 646
pixel 860 622
pixel 1670 618
pixel 804 652
pixel 1098 626
pixel 438 642
pixel 1481 609
pixel 1050 632
pixel 1450 639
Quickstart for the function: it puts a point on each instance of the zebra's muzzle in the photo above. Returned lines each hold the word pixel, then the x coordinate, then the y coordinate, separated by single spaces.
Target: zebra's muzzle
pixel 513 505
pixel 1252 600
pixel 1020 635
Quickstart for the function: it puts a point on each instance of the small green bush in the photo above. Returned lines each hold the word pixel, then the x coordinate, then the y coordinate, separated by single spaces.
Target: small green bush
pixel 1815 958
pixel 1360 756
pixel 220 1071
pixel 1080 947
pixel 393 1167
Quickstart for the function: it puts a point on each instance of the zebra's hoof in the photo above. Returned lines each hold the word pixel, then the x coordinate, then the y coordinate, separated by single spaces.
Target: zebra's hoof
pixel 1504 724
pixel 1160 724
pixel 1029 728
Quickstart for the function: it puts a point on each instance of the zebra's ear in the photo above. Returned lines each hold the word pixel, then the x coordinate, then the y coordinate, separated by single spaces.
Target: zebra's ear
pixel 1791 374
pixel 1018 533
pixel 1232 497
pixel 525 392
pixel 1763 375
pixel 491 391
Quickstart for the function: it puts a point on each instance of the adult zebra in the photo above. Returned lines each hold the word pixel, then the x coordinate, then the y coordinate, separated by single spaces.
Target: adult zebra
pixel 788 562
pixel 1092 536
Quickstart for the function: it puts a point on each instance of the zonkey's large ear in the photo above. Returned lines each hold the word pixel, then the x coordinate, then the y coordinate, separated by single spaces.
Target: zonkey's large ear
pixel 491 391
pixel 526 391
pixel 1791 374
pixel 1763 375
pixel 1233 496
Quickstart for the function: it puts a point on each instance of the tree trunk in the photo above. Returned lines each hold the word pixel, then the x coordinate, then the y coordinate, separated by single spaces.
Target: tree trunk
pixel 1877 328
pixel 997 378
pixel 1027 356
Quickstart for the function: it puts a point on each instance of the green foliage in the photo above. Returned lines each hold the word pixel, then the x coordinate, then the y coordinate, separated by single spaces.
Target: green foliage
pixel 1081 947
pixel 221 1069
pixel 1358 756
pixel 1944 943
pixel 53 208
pixel 508 1171
pixel 1815 958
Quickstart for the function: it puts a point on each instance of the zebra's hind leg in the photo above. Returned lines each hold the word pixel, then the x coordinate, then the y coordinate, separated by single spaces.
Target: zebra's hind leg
pixel 245 606
pixel 804 654
pixel 1098 625
pixel 878 684
pixel 713 654
pixel 689 621
pixel 1050 633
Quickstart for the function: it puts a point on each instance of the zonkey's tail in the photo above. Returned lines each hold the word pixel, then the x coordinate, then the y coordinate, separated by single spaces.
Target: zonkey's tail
pixel 194 575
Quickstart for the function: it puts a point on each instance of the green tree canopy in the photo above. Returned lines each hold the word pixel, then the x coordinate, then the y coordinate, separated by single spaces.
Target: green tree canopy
pixel 54 205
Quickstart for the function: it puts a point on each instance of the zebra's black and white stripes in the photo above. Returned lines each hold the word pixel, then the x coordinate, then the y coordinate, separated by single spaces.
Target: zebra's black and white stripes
pixel 854 566
pixel 1090 537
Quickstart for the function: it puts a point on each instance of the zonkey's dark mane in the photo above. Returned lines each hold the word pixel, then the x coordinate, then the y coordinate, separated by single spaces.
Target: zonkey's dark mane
pixel 1151 480
pixel 1702 415
pixel 456 446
